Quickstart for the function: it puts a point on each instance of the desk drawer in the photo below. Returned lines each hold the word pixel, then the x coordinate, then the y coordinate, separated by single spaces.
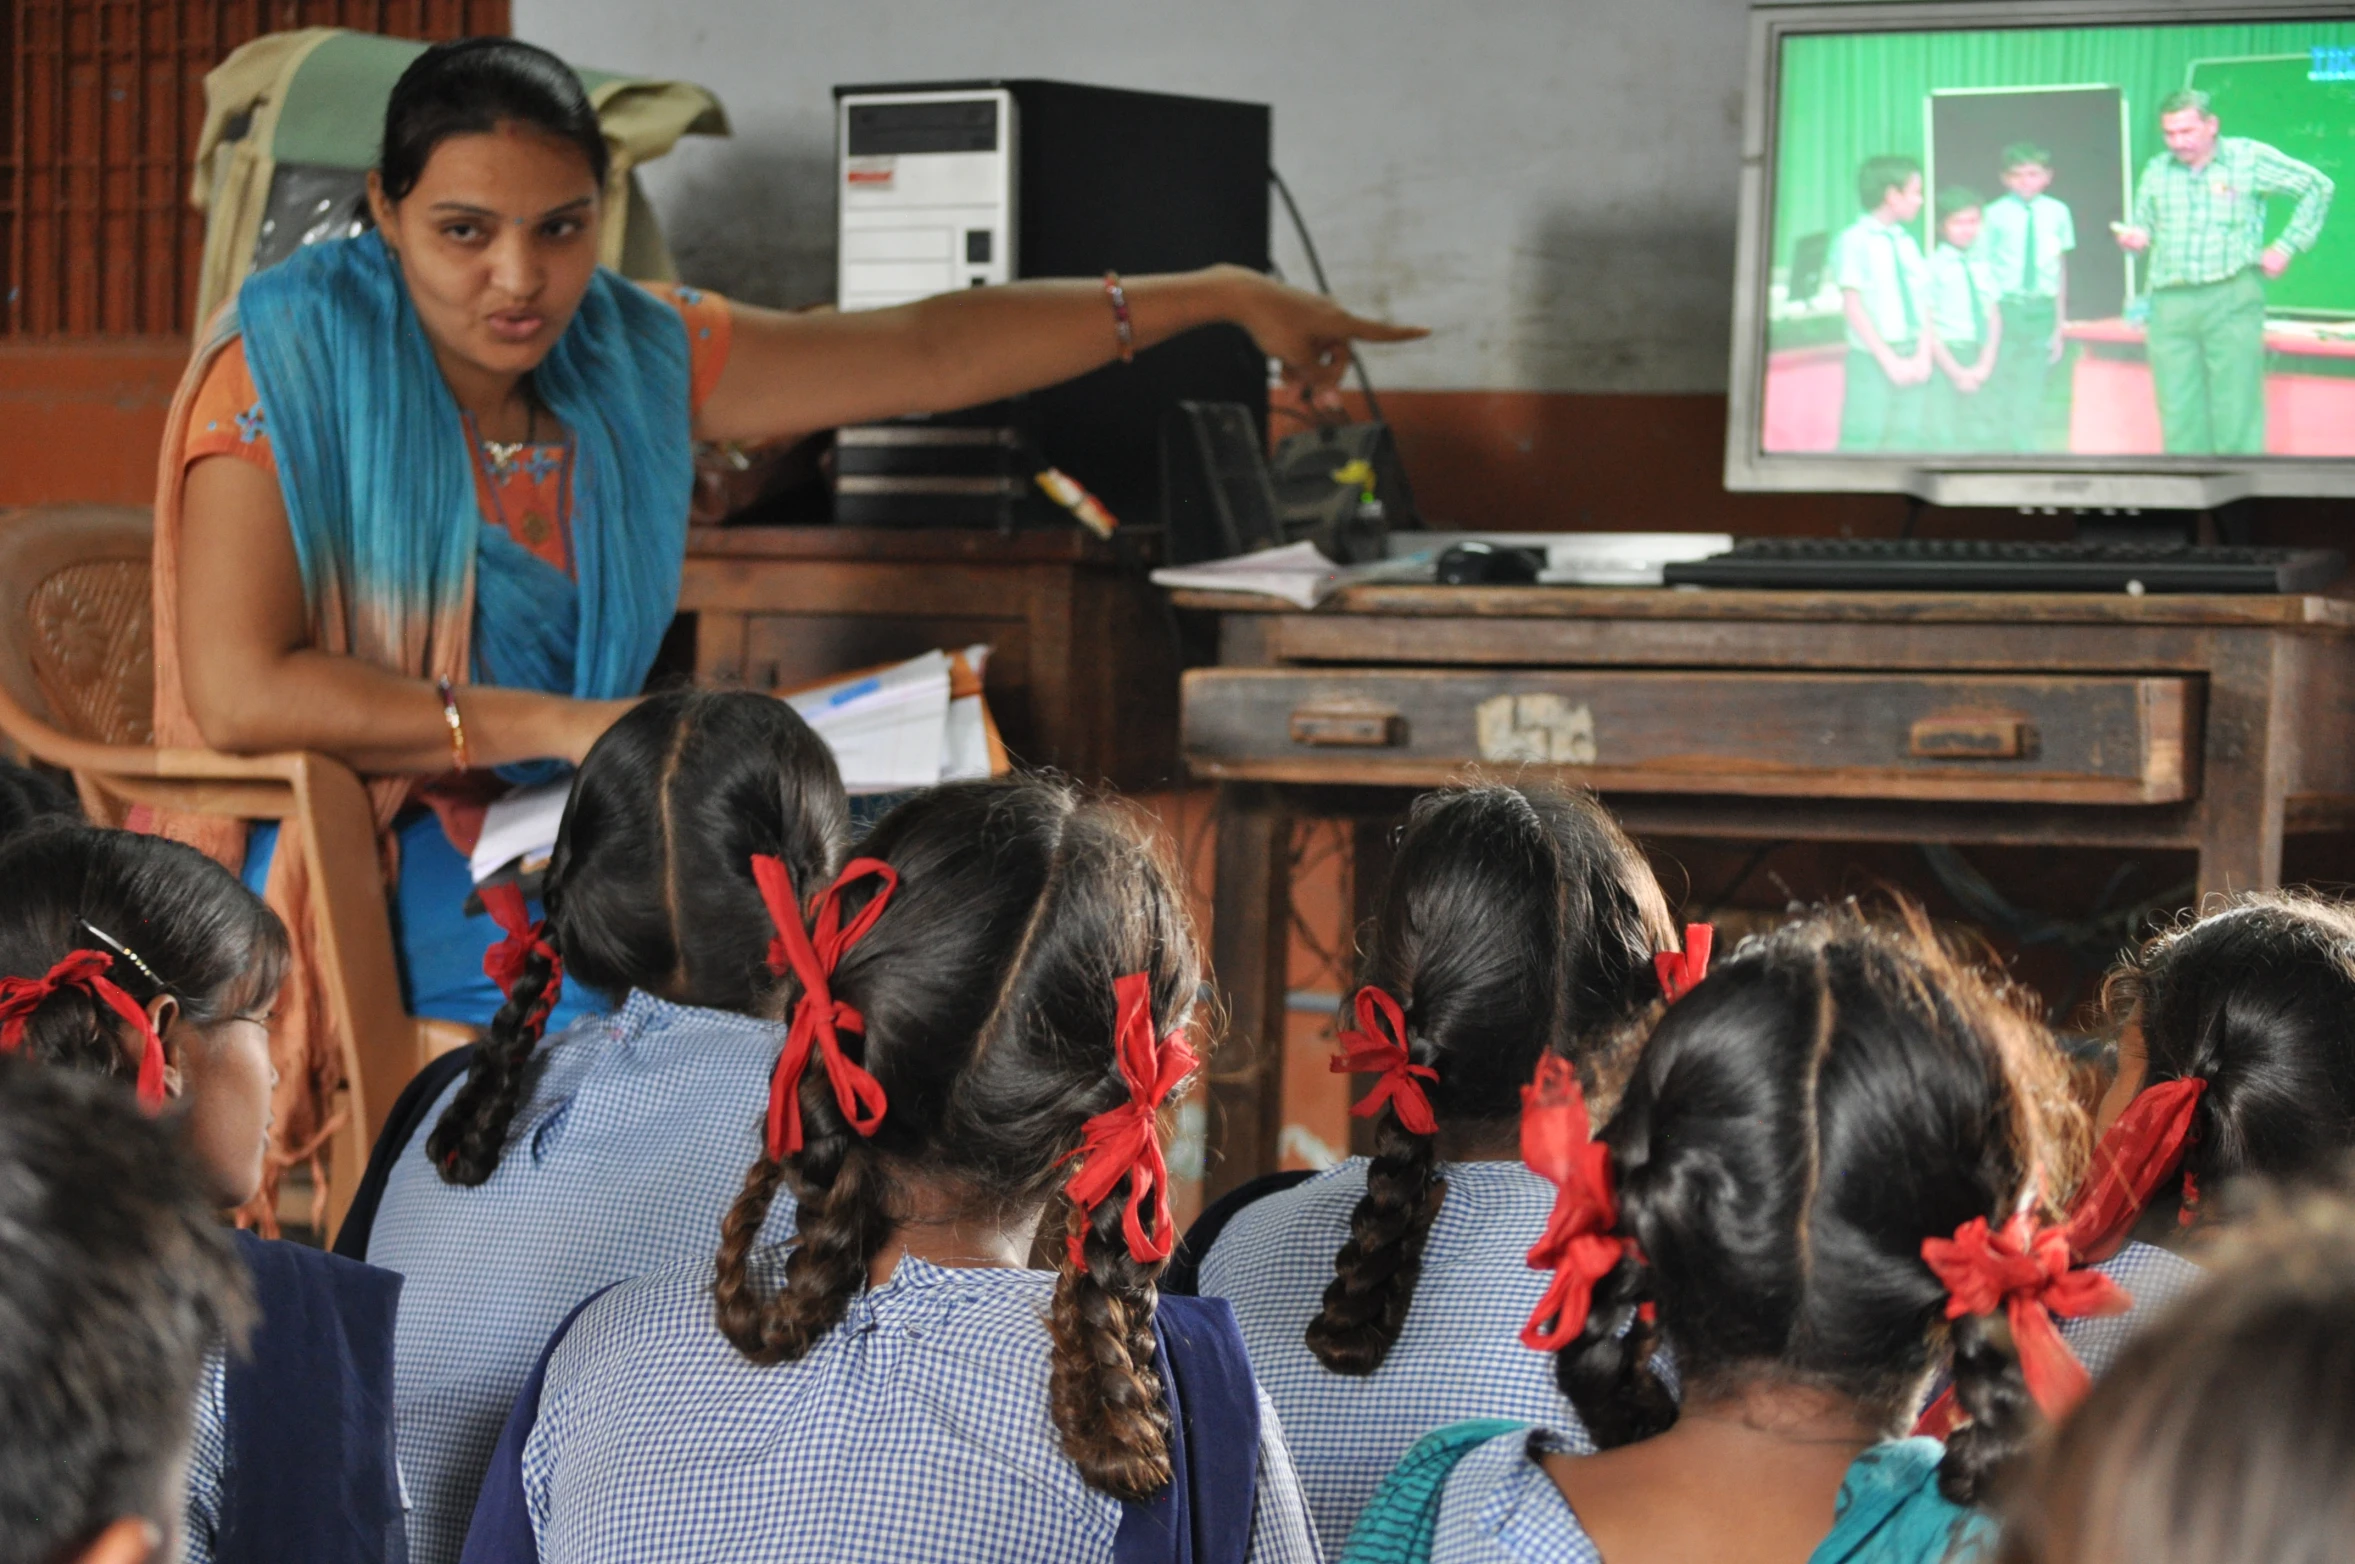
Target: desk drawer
pixel 2098 740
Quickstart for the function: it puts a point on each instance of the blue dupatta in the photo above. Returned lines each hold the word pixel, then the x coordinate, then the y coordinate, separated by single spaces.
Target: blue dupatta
pixel 397 565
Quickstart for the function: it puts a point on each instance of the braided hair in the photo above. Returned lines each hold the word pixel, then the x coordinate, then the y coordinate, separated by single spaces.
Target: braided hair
pixel 986 987
pixel 1517 921
pixel 650 887
pixel 2255 1000
pixel 171 921
pixel 1836 1093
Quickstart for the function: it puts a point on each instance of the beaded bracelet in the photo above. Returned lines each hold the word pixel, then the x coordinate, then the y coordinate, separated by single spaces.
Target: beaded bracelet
pixel 1123 326
pixel 456 724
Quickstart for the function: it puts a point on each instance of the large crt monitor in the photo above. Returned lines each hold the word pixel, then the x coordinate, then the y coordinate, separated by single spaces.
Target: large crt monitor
pixel 2054 252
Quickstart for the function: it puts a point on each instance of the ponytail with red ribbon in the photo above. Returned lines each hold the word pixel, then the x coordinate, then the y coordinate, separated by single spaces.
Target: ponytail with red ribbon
pixel 1581 1244
pixel 1681 970
pixel 1378 1045
pixel 1124 1141
pixel 85 970
pixel 505 961
pixel 811 953
pixel 2136 1155
pixel 2027 1272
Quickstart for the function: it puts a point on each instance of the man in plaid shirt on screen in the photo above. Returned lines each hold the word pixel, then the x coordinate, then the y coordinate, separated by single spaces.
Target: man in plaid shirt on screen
pixel 2199 212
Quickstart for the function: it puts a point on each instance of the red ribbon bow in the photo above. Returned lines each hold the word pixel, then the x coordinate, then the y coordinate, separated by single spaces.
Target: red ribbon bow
pixel 2025 1270
pixel 1579 1245
pixel 1125 1141
pixel 86 970
pixel 504 962
pixel 1379 1045
pixel 811 954
pixel 2134 1158
pixel 1681 970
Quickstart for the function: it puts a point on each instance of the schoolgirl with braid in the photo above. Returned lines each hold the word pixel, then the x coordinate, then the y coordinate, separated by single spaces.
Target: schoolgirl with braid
pixel 518 1176
pixel 141 961
pixel 1379 1299
pixel 990 1021
pixel 2236 1058
pixel 1838 1166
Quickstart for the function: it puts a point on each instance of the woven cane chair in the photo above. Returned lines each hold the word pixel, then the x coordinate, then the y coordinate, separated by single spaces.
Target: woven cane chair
pixel 77 685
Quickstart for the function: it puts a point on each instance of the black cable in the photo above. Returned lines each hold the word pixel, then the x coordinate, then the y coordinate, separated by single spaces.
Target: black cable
pixel 1316 269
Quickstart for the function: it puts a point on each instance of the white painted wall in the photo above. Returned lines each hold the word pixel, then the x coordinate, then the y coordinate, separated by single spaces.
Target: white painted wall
pixel 1547 183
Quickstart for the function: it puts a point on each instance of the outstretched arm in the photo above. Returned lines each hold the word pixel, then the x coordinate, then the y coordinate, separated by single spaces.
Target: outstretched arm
pixel 255 683
pixel 792 374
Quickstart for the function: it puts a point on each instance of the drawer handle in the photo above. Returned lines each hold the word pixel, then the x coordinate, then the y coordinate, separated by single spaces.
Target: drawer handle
pixel 1971 736
pixel 1346 727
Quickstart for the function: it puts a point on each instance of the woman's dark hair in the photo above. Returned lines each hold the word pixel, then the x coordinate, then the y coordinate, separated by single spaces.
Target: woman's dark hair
pixel 2258 1000
pixel 651 884
pixel 987 989
pixel 470 87
pixel 1835 1093
pixel 2225 1431
pixel 199 936
pixel 1517 921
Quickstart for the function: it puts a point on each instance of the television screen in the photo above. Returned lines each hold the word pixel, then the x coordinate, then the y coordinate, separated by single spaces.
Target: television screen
pixel 2049 243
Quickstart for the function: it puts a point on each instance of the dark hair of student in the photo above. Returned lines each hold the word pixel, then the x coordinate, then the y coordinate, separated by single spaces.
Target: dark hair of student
pixel 651 883
pixel 1957 198
pixel 2227 1430
pixel 27 798
pixel 1882 174
pixel 2022 154
pixel 986 986
pixel 170 920
pixel 470 87
pixel 1517 921
pixel 1836 1093
pixel 116 1280
pixel 2256 1000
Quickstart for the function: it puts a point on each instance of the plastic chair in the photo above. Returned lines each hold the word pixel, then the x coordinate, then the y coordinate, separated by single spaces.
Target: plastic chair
pixel 77 682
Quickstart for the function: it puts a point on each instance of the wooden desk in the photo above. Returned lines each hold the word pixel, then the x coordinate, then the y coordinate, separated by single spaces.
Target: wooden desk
pixel 2213 724
pixel 1082 672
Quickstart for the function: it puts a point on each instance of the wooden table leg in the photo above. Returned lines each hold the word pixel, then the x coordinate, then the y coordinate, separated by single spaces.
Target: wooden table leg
pixel 1373 845
pixel 2249 750
pixel 1249 942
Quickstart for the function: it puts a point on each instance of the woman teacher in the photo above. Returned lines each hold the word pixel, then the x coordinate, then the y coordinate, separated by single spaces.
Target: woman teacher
pixel 424 499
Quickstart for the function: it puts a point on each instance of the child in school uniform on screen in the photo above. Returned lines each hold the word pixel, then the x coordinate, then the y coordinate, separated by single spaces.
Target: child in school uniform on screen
pixel 989 1021
pixel 1825 1180
pixel 1968 330
pixel 2027 242
pixel 1382 1299
pixel 1885 294
pixel 517 1177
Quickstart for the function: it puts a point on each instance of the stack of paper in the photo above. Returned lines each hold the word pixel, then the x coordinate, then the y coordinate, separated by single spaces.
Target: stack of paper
pixel 1298 574
pixel 906 726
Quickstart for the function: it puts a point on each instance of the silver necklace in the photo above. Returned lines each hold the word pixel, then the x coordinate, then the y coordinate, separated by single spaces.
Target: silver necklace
pixel 503 452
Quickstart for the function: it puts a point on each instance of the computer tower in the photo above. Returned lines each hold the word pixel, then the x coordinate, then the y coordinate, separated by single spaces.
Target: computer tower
pixel 946 185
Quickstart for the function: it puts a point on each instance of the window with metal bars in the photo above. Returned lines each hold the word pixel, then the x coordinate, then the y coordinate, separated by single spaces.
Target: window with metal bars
pixel 100 105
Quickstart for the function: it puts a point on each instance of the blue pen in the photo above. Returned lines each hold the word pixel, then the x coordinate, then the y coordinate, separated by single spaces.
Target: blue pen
pixel 851 692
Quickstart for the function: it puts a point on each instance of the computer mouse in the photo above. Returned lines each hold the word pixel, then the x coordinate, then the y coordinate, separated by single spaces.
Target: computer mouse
pixel 1484 564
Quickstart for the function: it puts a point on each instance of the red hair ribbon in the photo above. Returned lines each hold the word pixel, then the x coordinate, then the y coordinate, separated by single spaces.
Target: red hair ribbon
pixel 85 970
pixel 1124 1141
pixel 504 962
pixel 2025 1270
pixel 1579 1245
pixel 1378 1044
pixel 2134 1158
pixel 812 953
pixel 1680 970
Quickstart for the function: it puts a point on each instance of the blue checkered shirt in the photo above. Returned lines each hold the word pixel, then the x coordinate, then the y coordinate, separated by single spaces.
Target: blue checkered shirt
pixel 208 1464
pixel 1458 1357
pixel 630 1145
pixel 1501 1507
pixel 2154 1278
pixel 917 1429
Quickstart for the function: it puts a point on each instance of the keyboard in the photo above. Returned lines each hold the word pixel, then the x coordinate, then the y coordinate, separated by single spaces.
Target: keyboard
pixel 1976 565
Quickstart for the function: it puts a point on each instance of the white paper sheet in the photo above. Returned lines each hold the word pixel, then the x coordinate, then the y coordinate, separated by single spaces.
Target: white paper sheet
pixel 521 825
